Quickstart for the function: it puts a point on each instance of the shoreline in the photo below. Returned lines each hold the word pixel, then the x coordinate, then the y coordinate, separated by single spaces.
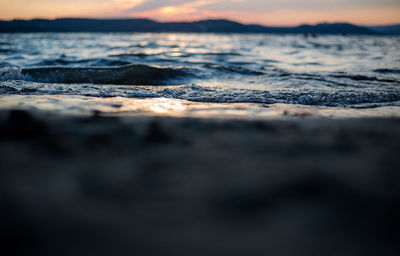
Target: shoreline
pixel 76 105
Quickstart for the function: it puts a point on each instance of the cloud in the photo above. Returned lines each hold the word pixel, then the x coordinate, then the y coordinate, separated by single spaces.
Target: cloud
pixel 262 11
pixel 183 9
pixel 176 7
pixel 267 5
pixel 157 4
pixel 271 5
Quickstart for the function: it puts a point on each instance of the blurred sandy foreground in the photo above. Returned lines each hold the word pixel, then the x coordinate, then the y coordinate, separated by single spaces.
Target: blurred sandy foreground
pixel 105 183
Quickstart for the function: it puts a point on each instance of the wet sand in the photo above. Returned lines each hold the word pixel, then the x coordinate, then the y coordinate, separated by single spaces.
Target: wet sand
pixel 150 185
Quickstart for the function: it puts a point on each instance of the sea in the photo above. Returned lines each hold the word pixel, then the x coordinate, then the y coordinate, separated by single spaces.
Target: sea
pixel 210 75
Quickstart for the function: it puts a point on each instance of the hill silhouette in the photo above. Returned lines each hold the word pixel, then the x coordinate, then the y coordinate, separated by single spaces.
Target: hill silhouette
pixel 388 30
pixel 147 25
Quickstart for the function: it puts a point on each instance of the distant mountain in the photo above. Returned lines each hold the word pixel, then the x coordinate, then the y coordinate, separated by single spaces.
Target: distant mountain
pixel 333 28
pixel 146 25
pixel 389 30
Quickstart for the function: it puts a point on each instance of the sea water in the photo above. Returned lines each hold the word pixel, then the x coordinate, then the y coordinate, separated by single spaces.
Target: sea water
pixel 261 70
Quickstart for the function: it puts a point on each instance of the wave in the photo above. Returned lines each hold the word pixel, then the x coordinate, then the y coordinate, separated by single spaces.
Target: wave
pixel 387 71
pixel 233 69
pixel 86 62
pixel 220 54
pixel 133 54
pixel 174 54
pixel 134 74
pixel 352 98
pixel 363 78
pixel 6 50
pixel 10 73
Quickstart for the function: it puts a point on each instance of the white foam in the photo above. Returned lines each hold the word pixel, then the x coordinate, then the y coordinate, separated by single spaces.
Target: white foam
pixel 10 73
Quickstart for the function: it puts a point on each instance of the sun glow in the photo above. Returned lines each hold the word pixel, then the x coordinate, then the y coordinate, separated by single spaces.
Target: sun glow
pixel 172 11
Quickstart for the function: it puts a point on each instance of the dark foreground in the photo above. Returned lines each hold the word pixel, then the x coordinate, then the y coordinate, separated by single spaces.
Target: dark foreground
pixel 169 186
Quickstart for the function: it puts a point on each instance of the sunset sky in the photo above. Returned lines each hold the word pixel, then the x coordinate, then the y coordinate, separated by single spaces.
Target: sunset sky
pixel 266 12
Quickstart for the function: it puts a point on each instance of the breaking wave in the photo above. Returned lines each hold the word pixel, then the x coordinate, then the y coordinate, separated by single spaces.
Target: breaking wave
pixel 134 74
pixel 345 97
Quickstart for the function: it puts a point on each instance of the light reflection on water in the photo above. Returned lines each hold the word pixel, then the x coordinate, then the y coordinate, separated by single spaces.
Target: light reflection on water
pixel 80 105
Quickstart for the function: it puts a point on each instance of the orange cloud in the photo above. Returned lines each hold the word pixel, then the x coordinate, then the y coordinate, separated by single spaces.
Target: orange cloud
pixel 177 12
pixel 282 17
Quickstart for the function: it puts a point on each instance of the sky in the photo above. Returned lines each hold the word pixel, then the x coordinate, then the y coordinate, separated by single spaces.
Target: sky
pixel 266 12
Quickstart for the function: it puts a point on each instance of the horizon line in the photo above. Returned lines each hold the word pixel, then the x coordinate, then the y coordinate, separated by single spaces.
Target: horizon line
pixel 196 20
